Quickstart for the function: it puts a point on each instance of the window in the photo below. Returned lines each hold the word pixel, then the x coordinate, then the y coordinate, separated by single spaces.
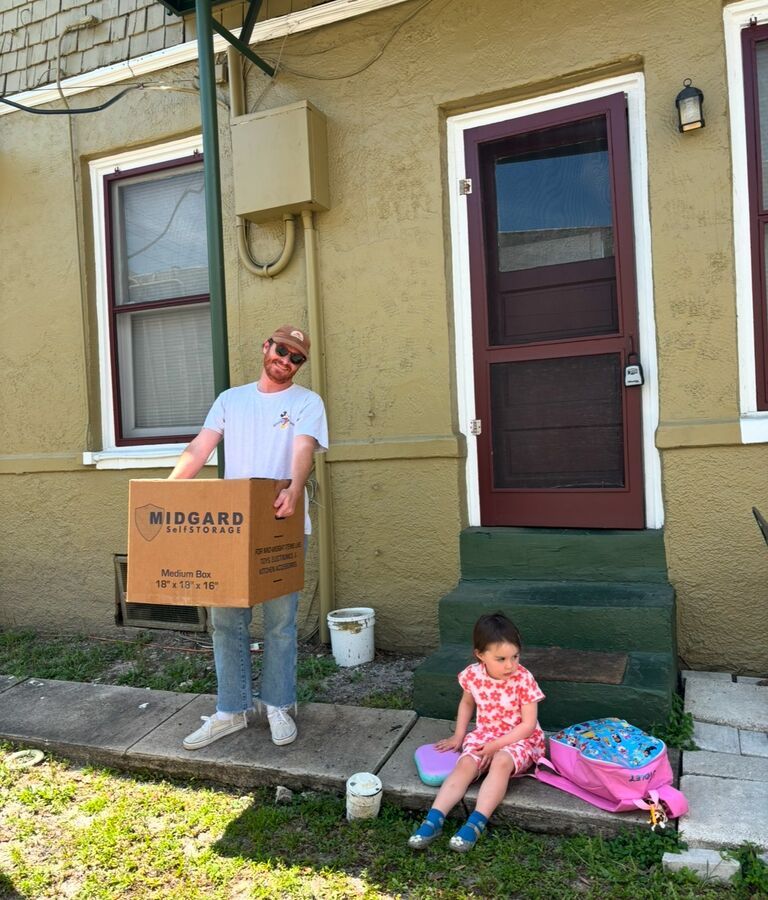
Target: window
pixel 755 59
pixel 153 304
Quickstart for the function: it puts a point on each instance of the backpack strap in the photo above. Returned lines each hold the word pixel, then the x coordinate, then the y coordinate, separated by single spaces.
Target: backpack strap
pixel 653 796
pixel 673 801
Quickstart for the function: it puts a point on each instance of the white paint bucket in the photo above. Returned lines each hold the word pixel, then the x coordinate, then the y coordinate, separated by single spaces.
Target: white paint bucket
pixel 352 635
pixel 363 796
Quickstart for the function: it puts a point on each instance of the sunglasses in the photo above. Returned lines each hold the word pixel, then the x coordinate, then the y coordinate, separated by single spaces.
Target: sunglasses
pixel 296 358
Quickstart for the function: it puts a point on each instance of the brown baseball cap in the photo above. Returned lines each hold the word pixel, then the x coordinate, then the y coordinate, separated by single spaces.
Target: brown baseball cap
pixel 292 336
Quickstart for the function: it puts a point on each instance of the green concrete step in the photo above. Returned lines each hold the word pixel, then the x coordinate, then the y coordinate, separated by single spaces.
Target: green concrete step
pixel 584 615
pixel 643 697
pixel 550 554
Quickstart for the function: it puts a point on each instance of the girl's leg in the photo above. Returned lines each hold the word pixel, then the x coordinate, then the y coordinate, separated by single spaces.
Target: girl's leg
pixel 451 791
pixel 455 785
pixel 495 785
pixel 489 796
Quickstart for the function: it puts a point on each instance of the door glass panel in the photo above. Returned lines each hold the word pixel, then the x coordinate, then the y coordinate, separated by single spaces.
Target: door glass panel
pixel 558 423
pixel 553 197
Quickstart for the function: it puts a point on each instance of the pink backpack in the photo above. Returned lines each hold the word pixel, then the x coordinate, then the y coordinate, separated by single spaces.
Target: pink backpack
pixel 615 766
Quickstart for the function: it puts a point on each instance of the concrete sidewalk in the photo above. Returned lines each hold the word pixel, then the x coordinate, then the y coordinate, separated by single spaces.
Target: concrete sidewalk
pixel 137 729
pixel 726 779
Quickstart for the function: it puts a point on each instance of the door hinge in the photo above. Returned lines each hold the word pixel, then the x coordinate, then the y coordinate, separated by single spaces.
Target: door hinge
pixel 475 426
pixel 465 186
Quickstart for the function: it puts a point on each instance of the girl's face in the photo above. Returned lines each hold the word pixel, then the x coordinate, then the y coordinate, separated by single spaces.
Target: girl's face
pixel 500 660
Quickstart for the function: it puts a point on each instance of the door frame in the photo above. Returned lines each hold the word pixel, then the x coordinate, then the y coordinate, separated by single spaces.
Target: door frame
pixel 633 85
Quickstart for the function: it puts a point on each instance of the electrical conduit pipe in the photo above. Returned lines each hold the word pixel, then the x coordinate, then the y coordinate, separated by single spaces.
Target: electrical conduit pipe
pixel 237 108
pixel 322 473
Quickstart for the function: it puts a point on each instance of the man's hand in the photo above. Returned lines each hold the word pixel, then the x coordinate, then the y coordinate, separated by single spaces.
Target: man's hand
pixel 285 504
pixel 301 465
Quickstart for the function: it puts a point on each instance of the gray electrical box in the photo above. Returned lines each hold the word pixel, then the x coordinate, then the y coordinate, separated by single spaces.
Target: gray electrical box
pixel 280 162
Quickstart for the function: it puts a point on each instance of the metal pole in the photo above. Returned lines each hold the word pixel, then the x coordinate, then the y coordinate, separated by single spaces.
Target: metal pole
pixel 213 223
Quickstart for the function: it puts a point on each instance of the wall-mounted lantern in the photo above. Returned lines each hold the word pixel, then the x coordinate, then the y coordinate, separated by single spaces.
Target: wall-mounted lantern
pixel 689 104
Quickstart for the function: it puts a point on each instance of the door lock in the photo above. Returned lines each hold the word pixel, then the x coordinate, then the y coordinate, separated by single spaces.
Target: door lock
pixel 633 371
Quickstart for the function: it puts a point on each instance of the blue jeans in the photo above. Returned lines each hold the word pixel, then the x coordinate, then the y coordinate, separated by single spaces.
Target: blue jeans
pixel 232 654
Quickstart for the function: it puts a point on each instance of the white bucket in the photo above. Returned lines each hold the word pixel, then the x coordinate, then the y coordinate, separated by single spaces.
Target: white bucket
pixel 363 796
pixel 352 635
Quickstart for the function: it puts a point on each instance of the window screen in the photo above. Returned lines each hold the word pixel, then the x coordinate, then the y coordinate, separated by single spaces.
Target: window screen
pixel 159 302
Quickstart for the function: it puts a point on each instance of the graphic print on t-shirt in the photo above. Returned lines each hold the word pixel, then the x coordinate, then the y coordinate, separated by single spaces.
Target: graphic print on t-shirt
pixel 285 420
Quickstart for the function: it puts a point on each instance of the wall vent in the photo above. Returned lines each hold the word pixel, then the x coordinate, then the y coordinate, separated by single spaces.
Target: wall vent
pixel 153 615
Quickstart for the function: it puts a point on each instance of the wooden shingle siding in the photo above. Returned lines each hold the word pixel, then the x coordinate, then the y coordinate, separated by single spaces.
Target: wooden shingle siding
pixel 30 33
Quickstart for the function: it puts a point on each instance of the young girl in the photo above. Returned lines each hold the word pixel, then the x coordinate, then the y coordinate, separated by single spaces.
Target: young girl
pixel 507 738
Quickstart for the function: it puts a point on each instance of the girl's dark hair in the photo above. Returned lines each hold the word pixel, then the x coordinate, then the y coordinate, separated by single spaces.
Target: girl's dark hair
pixel 494 628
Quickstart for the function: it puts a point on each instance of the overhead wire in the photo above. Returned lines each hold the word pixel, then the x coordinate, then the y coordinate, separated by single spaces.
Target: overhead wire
pixel 73 111
pixel 273 77
pixel 276 63
pixel 69 111
pixel 388 40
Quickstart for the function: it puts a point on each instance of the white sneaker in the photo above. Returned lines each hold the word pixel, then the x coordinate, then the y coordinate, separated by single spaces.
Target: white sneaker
pixel 213 728
pixel 281 725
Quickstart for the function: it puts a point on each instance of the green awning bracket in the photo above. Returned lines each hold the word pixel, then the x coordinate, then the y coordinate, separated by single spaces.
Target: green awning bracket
pixel 243 48
pixel 182 7
pixel 250 20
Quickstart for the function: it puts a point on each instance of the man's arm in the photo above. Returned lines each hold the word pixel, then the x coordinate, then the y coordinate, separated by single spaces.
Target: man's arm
pixel 196 453
pixel 304 447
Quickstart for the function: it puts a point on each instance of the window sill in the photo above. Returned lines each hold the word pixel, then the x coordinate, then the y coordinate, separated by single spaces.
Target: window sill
pixel 159 456
pixel 754 428
pixel 749 428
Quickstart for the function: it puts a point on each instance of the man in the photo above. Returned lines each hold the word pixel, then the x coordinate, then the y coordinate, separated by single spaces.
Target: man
pixel 271 429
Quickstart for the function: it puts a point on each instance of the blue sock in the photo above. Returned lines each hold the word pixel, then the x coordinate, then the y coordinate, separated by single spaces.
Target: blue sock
pixel 467 833
pixel 432 824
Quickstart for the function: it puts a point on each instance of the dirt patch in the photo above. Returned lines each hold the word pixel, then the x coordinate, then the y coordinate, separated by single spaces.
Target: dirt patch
pixel 388 674
pixel 185 660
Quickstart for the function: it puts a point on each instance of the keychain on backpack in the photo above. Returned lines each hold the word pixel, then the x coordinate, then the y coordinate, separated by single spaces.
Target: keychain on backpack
pixel 659 818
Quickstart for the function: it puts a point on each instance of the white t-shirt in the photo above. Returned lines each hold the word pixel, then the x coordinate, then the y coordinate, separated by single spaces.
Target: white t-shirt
pixel 259 429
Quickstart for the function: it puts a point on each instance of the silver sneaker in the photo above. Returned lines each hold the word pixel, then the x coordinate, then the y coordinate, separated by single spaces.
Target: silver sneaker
pixel 281 725
pixel 214 728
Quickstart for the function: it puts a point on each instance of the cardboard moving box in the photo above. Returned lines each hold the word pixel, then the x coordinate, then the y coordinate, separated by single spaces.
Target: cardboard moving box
pixel 212 542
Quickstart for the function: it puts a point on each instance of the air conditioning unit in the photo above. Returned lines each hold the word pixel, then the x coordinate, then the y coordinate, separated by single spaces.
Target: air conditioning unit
pixel 153 615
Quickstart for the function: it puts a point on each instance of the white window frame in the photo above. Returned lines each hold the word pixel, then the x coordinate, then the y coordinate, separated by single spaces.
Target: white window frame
pixel 737 17
pixel 633 85
pixel 111 456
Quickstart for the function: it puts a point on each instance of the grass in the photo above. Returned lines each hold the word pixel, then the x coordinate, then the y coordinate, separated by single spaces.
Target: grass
pixel 677 731
pixel 24 654
pixel 309 674
pixel 163 661
pixel 393 700
pixel 69 831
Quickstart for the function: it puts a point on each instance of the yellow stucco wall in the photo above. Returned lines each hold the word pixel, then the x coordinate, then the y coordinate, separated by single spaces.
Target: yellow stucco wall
pixel 388 311
pixel 717 559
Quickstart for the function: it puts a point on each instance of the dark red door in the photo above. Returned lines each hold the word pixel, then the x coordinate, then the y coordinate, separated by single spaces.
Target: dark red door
pixel 554 319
